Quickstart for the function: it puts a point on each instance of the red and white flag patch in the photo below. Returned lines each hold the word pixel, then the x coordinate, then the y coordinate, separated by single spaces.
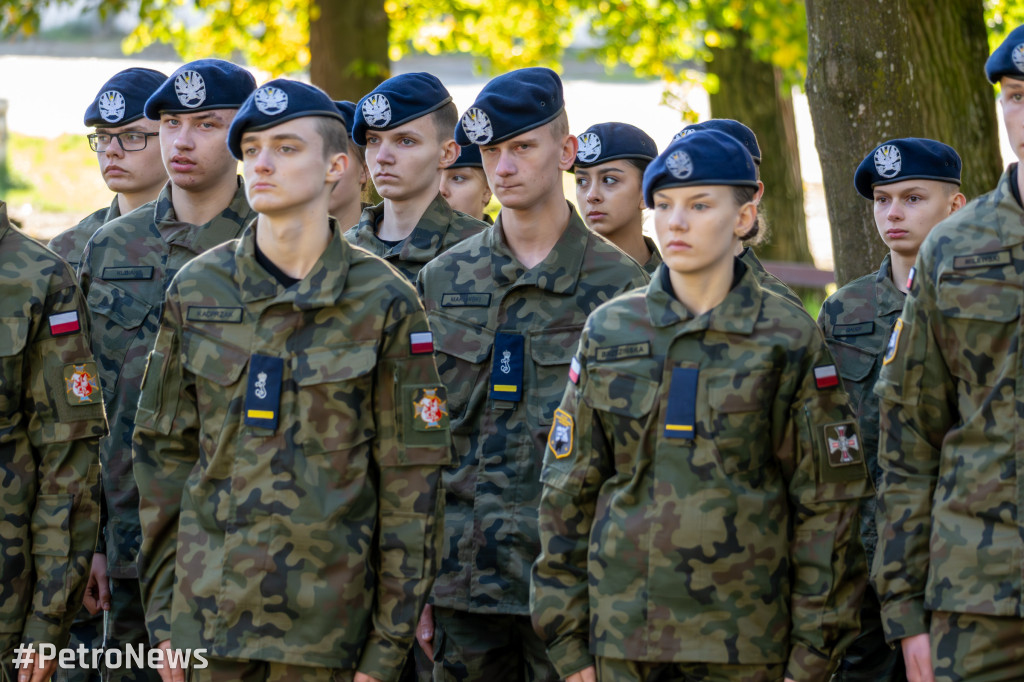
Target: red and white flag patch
pixel 826 376
pixel 574 370
pixel 64 323
pixel 421 342
pixel 910 278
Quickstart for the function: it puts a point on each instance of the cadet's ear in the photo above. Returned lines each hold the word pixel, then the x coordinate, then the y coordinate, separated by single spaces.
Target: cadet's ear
pixel 745 219
pixel 570 145
pixel 959 200
pixel 337 164
pixel 759 193
pixel 449 152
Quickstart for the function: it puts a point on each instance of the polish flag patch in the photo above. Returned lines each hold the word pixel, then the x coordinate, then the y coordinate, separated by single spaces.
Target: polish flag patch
pixel 421 342
pixel 64 323
pixel 910 278
pixel 826 376
pixel 574 371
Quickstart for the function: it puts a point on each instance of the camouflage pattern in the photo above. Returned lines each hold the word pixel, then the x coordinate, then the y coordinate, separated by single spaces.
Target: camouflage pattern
pixel 227 670
pixel 736 546
pixel 49 433
pixel 124 272
pixel 651 266
pixel 472 647
pixel 950 534
pixel 766 279
pixel 440 228
pixel 966 646
pixel 617 670
pixel 313 544
pixel 857 321
pixel 471 292
pixel 70 244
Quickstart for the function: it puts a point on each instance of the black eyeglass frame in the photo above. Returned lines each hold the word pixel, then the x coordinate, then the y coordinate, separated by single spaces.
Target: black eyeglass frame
pixel 94 145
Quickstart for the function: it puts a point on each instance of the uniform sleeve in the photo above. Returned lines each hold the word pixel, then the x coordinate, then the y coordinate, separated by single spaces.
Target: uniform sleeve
pixel 915 414
pixel 823 461
pixel 572 476
pixel 165 448
pixel 63 406
pixel 411 447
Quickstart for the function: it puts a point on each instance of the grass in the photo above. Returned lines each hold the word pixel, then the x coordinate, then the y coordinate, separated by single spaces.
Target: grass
pixel 58 175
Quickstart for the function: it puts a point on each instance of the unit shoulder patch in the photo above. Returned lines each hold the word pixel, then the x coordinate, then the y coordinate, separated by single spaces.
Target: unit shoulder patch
pixel 82 384
pixel 560 436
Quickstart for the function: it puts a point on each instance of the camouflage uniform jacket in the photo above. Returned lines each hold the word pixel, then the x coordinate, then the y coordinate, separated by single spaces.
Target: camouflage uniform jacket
pixel 480 299
pixel 70 244
pixel 651 266
pixel 124 272
pixel 313 542
pixel 857 321
pixel 725 540
pixel 952 438
pixel 51 417
pixel 766 279
pixel 440 228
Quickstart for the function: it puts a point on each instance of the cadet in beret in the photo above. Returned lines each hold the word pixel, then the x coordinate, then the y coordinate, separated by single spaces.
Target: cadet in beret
pixel 702 474
pixel 913 184
pixel 507 307
pixel 406 125
pixel 464 184
pixel 950 558
pixel 291 431
pixel 609 173
pixel 51 419
pixel 129 158
pixel 125 270
pixel 346 204
pixel 757 233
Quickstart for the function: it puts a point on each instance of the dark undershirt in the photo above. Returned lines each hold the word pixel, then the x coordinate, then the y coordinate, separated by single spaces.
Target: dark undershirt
pixel 376 233
pixel 275 272
pixel 1014 187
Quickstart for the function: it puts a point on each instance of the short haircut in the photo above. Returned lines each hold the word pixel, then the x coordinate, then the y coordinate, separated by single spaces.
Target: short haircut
pixel 446 118
pixel 334 135
pixel 560 126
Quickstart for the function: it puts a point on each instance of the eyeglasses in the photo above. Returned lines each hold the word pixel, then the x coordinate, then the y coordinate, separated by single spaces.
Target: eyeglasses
pixel 130 142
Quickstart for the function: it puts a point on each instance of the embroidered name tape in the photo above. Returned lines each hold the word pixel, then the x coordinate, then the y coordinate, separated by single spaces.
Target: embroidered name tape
pixel 201 313
pixel 457 300
pixel 64 323
pixel 132 272
pixel 859 329
pixel 681 413
pixel 507 367
pixel 263 393
pixel 627 350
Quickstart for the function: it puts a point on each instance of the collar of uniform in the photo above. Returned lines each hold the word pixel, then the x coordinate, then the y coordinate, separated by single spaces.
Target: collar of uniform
pixel 113 212
pixel 426 239
pixel 1009 231
pixel 736 314
pixel 322 287
pixel 559 271
pixel 364 233
pixel 888 297
pixel 5 224
pixel 199 238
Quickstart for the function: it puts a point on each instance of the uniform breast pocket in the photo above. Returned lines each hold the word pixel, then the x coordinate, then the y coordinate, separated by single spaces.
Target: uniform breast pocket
pixel 220 394
pixel 463 353
pixel 117 316
pixel 740 407
pixel 13 337
pixel 624 403
pixel 335 397
pixel 550 352
pixel 978 323
pixel 855 366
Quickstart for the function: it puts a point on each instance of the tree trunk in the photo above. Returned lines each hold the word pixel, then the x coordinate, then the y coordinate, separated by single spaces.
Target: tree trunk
pixel 950 46
pixel 750 91
pixel 860 94
pixel 348 47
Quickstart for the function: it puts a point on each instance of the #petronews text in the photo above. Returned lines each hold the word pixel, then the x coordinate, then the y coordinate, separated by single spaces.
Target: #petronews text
pixel 132 656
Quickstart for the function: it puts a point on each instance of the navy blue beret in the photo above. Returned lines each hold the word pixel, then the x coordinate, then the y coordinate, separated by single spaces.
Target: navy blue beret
pixel 910 158
pixel 200 86
pixel 122 99
pixel 604 142
pixel 274 103
pixel 348 113
pixel 469 157
pixel 398 100
pixel 706 157
pixel 730 127
pixel 1008 58
pixel 510 105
